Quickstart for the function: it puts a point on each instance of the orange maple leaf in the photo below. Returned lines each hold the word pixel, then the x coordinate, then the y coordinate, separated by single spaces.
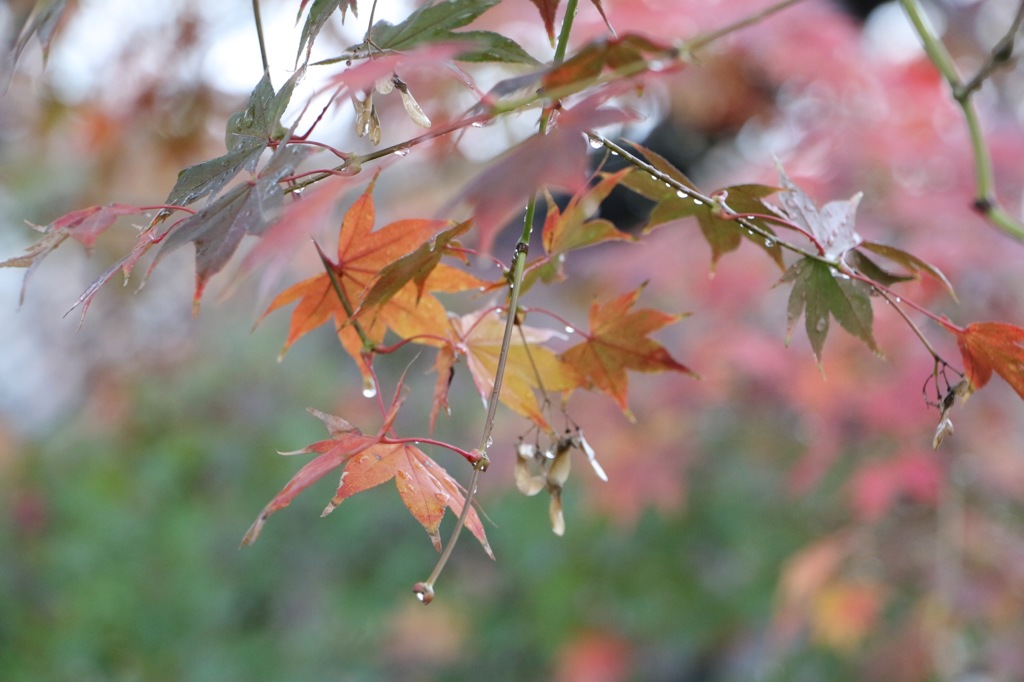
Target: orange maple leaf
pixel 362 254
pixel 988 346
pixel 618 341
pixel 530 366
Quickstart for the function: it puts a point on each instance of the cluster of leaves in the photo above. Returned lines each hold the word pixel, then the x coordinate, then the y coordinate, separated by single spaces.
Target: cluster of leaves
pixel 379 291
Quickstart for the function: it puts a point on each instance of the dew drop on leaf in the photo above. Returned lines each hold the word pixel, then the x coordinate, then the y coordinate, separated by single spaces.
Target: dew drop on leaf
pixel 682 195
pixel 569 330
pixel 821 324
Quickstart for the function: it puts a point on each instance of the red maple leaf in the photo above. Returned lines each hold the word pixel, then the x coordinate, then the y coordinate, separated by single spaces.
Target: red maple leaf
pixel 369 460
pixel 992 346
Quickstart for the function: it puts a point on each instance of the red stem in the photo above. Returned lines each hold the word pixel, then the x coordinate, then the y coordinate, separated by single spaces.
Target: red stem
pixel 470 457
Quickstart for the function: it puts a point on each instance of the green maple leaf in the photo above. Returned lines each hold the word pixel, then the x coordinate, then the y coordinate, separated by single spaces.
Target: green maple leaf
pixel 819 293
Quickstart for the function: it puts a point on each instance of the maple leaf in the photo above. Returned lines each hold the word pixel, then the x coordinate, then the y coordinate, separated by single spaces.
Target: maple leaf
pixel 548 8
pixel 426 488
pixel 567 230
pixel 477 337
pixel 346 441
pixel 819 291
pixel 318 15
pixel 618 341
pixel 84 225
pixel 42 23
pixel 362 255
pixel 435 24
pixel 418 267
pixel 218 229
pixel 247 135
pixel 629 52
pixel 557 158
pixel 831 226
pixel 992 346
pixel 915 265
pixel 722 234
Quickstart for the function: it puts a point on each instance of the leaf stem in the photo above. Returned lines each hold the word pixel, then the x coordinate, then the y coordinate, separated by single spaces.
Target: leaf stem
pixel 471 457
pixel 698 196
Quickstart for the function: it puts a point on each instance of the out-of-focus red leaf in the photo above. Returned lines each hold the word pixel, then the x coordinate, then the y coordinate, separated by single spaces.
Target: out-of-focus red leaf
pixel 365 75
pixel 556 159
pixel 876 485
pixel 630 52
pixel 547 9
pixel 298 222
pixel 992 346
pixel 618 340
pixel 594 657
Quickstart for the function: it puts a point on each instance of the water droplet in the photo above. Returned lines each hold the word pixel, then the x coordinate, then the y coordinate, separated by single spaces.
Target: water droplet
pixel 403 151
pixel 656 65
pixel 899 300
pixel 698 202
pixel 681 194
pixel 569 330
pixel 595 143
pixel 490 442
pixel 477 124
pixel 482 289
pixel 369 388
pixel 769 243
pixel 498 311
pixel 821 324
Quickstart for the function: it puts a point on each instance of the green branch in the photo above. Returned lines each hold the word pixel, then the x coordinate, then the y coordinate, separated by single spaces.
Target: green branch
pixel 985 201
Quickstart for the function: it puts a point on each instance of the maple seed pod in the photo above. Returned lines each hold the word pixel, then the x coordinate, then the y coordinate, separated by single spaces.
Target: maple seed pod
pixel 363 109
pixel 424 592
pixel 555 512
pixel 526 481
pixel 385 85
pixel 411 106
pixel 560 468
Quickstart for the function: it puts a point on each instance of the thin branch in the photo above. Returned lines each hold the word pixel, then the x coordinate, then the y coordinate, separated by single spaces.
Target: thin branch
pixel 998 58
pixel 985 201
pixel 707 38
pixel 259 35
pixel 425 591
